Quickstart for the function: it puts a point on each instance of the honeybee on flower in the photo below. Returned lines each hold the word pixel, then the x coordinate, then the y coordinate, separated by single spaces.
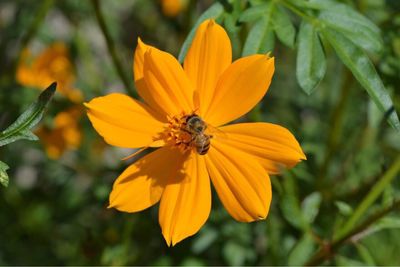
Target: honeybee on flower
pixel 180 104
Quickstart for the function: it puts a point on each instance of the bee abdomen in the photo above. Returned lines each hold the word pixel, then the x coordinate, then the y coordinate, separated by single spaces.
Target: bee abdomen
pixel 202 150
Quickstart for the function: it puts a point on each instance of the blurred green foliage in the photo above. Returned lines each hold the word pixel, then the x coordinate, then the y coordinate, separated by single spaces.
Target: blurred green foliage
pixel 340 207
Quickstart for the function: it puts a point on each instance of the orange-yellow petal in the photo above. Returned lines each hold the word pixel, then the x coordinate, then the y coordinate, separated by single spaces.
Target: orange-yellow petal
pixel 141 184
pixel 141 87
pixel 208 57
pixel 123 121
pixel 240 88
pixel 242 184
pixel 186 202
pixel 169 89
pixel 272 145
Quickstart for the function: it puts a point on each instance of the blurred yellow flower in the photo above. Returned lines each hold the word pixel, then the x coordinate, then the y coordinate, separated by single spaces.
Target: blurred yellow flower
pixel 172 8
pixel 53 64
pixel 183 113
pixel 65 134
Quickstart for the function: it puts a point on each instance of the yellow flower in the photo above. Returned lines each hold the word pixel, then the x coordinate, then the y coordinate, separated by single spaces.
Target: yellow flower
pixel 210 89
pixel 64 135
pixel 172 8
pixel 53 64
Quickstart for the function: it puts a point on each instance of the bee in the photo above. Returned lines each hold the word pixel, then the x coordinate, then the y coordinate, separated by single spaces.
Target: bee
pixel 196 127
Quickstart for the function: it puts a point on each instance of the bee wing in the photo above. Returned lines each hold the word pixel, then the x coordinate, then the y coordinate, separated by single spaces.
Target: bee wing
pixel 216 132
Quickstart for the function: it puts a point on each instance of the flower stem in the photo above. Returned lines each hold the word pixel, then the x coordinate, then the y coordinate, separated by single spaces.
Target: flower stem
pixel 111 47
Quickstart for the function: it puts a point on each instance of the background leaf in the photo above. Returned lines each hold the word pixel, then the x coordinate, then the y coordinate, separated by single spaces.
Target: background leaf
pixel 311 63
pixel 353 25
pixel 344 208
pixel 364 71
pixel 20 129
pixel 301 251
pixel 3 174
pixel 290 204
pixel 310 206
pixel 365 254
pixel 253 13
pixel 260 33
pixel 283 26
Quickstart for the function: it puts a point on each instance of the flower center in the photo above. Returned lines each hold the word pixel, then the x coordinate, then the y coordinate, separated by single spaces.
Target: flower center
pixel 188 132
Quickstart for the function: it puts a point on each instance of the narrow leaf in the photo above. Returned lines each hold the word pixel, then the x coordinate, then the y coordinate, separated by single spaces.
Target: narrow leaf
pixel 344 261
pixel 205 239
pixel 253 13
pixel 354 26
pixel 213 12
pixel 3 174
pixel 260 31
pixel 301 251
pixel 343 18
pixel 364 71
pixel 290 204
pixel 310 206
pixel 344 208
pixel 311 62
pixel 283 27
pixel 384 223
pixel 20 129
pixel 365 254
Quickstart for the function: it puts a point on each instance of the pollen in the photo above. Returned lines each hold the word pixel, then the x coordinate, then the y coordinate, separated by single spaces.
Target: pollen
pixel 176 133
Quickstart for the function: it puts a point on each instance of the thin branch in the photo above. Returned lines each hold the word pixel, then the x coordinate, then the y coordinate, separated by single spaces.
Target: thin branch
pixel 328 250
pixel 370 198
pixel 111 47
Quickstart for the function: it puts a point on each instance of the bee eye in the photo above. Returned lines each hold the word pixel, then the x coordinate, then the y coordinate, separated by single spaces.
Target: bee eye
pixel 199 128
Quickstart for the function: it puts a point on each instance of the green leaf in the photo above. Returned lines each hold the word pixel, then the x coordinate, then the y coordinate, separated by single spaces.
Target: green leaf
pixel 3 174
pixel 344 261
pixel 260 33
pixel 253 13
pixel 290 204
pixel 283 27
pixel 361 31
pixel 206 237
pixel 310 206
pixel 213 12
pixel 365 254
pixel 344 208
pixel 234 253
pixel 382 224
pixel 20 129
pixel 364 71
pixel 311 62
pixel 302 251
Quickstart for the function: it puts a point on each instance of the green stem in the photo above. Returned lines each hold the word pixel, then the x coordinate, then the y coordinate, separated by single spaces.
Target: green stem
pixel 327 250
pixel 111 47
pixel 44 8
pixel 336 122
pixel 370 198
pixel 31 31
pixel 297 11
